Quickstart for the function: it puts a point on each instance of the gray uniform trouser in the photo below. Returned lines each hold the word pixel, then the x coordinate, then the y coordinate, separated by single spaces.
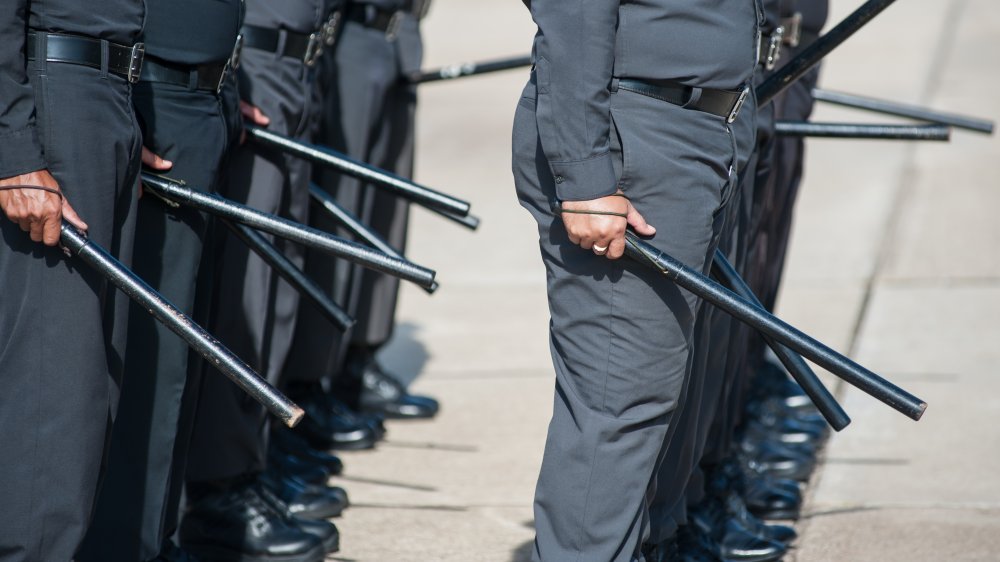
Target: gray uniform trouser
pixel 713 334
pixel 621 334
pixel 137 507
pixel 368 114
pixel 62 327
pixel 254 311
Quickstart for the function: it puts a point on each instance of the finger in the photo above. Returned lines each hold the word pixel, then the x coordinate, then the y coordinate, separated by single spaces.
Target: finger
pixel 638 223
pixel 254 114
pixel 587 243
pixel 155 161
pixel 50 231
pixel 601 247
pixel 573 238
pixel 616 249
pixel 70 215
pixel 36 230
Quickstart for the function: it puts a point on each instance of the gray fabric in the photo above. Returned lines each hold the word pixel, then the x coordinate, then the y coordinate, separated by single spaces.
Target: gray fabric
pixel 621 334
pixel 712 346
pixel 254 310
pixel 302 16
pixel 368 114
pixel 580 46
pixel 148 443
pixel 62 327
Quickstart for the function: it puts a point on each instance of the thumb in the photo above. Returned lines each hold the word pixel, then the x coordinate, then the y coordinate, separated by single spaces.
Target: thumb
pixel 638 223
pixel 70 215
pixel 154 161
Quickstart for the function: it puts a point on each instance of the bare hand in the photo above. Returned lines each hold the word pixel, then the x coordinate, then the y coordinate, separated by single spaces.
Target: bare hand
pixel 37 212
pixel 604 234
pixel 253 114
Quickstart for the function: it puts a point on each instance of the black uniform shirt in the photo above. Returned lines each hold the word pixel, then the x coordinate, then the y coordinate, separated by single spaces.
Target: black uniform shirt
pixel 303 16
pixel 115 20
pixel 192 31
pixel 580 46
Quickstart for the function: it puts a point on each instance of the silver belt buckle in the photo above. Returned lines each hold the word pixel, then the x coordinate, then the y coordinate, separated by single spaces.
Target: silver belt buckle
pixel 135 62
pixel 735 111
pixel 313 49
pixel 774 48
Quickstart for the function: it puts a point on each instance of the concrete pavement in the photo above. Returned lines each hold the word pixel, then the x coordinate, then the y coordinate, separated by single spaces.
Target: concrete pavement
pixel 894 260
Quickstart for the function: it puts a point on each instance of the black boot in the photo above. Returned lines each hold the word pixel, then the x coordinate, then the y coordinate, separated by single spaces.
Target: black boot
pixel 233 524
pixel 367 387
pixel 322 529
pixel 290 443
pixel 736 543
pixel 329 424
pixel 310 501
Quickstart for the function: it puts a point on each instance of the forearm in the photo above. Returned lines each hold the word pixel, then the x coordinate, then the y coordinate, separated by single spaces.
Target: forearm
pixel 574 59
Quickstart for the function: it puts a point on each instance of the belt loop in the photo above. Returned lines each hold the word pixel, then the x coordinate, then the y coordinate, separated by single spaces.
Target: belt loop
pixel 105 57
pixel 279 52
pixel 614 85
pixel 694 97
pixel 41 51
pixel 193 79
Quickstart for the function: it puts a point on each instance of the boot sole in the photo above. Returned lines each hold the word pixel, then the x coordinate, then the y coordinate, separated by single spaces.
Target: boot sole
pixel 210 553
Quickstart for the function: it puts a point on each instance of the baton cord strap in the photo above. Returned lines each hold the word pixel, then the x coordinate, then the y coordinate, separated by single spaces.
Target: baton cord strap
pixel 36 187
pixel 581 212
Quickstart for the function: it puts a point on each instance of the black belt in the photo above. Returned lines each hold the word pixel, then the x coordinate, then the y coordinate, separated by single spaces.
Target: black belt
pixel 724 103
pixel 209 77
pixel 375 17
pixel 86 51
pixel 306 47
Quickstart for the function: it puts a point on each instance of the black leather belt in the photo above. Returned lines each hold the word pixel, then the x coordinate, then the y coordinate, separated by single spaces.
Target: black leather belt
pixel 122 60
pixel 724 103
pixel 375 17
pixel 306 47
pixel 209 77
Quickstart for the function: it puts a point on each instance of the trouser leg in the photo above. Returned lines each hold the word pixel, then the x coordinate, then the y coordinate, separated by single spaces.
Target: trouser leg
pixel 356 82
pixel 61 325
pixel 131 520
pixel 621 335
pixel 254 311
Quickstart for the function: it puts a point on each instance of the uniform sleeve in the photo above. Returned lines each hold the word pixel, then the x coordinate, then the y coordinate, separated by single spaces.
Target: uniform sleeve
pixel 574 59
pixel 20 149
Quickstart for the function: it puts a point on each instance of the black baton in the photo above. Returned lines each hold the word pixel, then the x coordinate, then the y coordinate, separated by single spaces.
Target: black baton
pixel 351 223
pixel 291 274
pixel 289 230
pixel 862 131
pixel 904 110
pixel 771 326
pixel 468 69
pixel 179 323
pixel 811 55
pixel 324 156
pixel 827 405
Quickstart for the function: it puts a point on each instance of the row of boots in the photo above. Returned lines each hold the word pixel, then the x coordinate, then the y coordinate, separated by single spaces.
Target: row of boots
pixel 758 483
pixel 282 513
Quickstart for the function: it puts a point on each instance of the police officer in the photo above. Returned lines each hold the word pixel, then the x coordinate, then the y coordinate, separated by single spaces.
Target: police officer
pixel 609 127
pixel 188 130
pixel 68 133
pixel 237 510
pixel 379 45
